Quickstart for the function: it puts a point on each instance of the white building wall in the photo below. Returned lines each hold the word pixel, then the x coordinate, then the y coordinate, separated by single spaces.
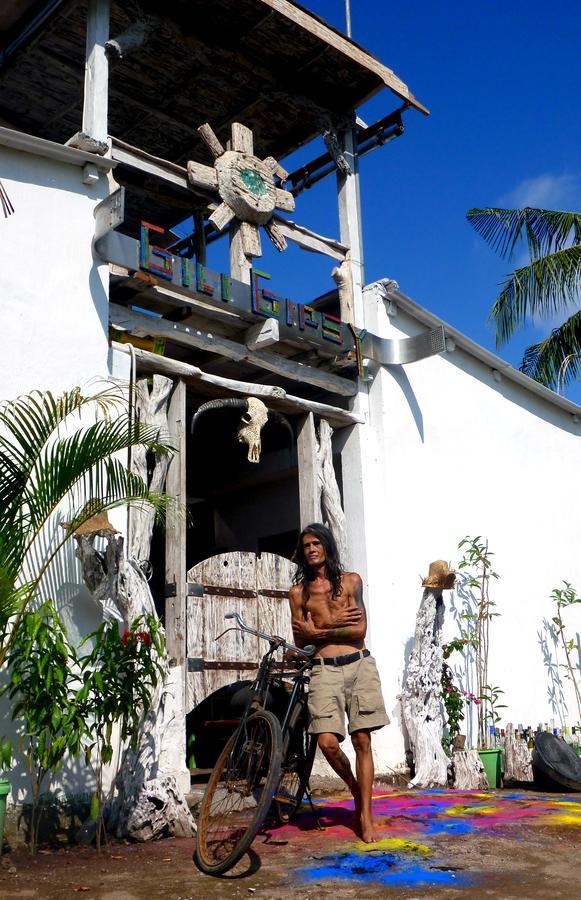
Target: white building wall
pixel 54 293
pixel 458 453
pixel 54 325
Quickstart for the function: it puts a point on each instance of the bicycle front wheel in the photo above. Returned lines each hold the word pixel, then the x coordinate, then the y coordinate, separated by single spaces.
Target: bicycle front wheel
pixel 239 793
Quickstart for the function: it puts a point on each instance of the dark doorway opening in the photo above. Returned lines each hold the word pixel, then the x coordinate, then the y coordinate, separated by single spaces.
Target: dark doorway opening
pixel 235 504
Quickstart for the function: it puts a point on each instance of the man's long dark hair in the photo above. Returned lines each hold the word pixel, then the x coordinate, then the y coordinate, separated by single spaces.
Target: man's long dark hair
pixel 304 572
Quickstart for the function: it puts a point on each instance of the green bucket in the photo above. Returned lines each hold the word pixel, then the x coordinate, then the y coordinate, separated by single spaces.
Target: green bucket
pixel 492 762
pixel 4 791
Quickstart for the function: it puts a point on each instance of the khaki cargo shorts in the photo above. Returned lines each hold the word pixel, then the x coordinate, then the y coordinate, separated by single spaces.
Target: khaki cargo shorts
pixel 354 689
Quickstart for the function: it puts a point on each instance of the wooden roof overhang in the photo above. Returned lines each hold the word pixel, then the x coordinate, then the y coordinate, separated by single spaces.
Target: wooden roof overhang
pixel 271 64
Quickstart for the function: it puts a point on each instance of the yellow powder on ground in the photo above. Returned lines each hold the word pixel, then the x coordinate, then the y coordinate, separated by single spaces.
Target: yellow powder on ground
pixel 395 845
pixel 461 812
pixel 564 819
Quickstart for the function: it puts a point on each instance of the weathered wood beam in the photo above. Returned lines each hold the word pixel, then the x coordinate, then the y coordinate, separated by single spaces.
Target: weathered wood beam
pixel 211 141
pixel 275 397
pixel 262 335
pixel 175 534
pixel 196 177
pixel 242 139
pixel 309 503
pixel 240 264
pixel 96 97
pixel 350 231
pixel 141 324
pixel 202 176
pixel 309 240
pixel 135 158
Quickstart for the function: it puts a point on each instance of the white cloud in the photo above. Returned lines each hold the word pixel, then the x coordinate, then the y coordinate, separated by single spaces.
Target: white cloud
pixel 545 192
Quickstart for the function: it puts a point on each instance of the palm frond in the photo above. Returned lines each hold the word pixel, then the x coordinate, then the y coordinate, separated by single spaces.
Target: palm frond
pixel 556 360
pixel 28 423
pixel 546 231
pixel 82 457
pixel 13 600
pixel 543 288
pixel 5 202
pixel 47 462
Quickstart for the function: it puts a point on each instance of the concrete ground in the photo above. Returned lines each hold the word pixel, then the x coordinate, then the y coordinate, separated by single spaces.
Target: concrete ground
pixel 440 844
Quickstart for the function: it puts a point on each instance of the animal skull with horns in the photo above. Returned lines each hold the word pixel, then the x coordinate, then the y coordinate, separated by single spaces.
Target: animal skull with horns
pixel 256 414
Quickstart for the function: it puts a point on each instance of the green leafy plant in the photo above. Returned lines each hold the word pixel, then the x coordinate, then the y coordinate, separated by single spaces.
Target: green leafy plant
pixel 564 598
pixel 477 562
pixel 549 284
pixel 453 697
pixel 490 695
pixel 119 676
pixel 5 754
pixel 42 681
pixel 60 453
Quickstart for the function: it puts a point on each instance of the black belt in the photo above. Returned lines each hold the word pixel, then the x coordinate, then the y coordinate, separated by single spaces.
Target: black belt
pixel 340 660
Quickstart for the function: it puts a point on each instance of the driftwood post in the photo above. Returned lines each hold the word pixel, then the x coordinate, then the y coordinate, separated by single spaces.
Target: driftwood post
pixel 330 497
pixel 319 495
pixel 149 801
pixel 469 774
pixel 150 407
pixel 518 764
pixel 421 695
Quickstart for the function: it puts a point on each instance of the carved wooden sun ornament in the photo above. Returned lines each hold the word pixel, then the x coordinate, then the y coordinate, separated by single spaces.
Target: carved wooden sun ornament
pixel 246 186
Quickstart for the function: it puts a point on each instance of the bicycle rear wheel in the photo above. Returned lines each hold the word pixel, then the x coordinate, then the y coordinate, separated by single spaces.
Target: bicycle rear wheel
pixel 239 793
pixel 298 756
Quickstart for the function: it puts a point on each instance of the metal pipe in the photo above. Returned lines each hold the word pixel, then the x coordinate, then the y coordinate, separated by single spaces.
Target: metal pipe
pixel 348 18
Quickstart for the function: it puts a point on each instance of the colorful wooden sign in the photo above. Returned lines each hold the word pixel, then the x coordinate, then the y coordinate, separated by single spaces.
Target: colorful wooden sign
pixel 254 302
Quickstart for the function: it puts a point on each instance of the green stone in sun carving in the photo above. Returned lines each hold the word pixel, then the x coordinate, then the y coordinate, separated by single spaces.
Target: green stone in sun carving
pixel 254 182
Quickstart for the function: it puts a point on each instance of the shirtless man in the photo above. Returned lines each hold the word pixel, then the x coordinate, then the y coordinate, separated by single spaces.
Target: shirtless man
pixel 328 611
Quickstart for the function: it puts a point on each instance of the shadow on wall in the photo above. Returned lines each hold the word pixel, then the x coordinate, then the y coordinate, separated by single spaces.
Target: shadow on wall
pixel 549 642
pixel 80 616
pixel 397 711
pixel 63 582
pixel 462 602
pixel 399 375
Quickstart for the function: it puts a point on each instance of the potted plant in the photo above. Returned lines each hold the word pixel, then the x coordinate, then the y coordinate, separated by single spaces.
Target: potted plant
pixel 5 763
pixel 478 563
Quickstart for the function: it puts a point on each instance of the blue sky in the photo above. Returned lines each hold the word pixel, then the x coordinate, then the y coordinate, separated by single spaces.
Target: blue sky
pixel 502 81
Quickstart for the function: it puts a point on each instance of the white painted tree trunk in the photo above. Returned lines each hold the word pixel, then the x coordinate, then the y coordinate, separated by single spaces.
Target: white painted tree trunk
pixel 421 693
pixel 518 764
pixel 150 802
pixel 151 408
pixel 469 774
pixel 330 496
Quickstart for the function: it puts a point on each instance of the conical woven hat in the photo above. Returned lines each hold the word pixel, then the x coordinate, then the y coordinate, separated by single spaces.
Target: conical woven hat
pixel 97 524
pixel 440 576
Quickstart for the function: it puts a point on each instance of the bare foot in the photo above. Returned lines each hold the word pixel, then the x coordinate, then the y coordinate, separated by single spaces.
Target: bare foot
pixel 368 835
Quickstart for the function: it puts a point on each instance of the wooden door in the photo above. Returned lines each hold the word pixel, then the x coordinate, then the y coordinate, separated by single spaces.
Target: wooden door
pixel 254 586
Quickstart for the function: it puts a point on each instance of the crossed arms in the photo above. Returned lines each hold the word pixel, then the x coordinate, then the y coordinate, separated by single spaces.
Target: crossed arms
pixel 346 626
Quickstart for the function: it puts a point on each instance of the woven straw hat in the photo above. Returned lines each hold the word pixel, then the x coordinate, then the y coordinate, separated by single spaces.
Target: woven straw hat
pixel 440 576
pixel 97 524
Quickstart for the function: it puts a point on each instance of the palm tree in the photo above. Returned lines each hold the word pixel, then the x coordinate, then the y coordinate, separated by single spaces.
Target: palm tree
pixel 549 285
pixel 60 455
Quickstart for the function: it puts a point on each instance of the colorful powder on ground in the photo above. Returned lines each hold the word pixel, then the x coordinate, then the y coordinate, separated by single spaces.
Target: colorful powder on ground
pixel 395 845
pixel 403 856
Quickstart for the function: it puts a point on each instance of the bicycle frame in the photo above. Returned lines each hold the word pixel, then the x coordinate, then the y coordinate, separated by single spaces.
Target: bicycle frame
pixel 266 675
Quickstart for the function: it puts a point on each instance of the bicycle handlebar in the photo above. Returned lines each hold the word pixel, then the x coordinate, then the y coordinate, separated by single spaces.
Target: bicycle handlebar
pixel 307 651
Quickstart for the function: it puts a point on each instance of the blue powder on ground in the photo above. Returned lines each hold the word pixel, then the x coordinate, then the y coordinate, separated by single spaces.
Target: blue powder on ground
pixel 386 868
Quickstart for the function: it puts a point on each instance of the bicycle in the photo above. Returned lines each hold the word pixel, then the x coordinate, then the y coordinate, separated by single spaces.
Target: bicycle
pixel 266 763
